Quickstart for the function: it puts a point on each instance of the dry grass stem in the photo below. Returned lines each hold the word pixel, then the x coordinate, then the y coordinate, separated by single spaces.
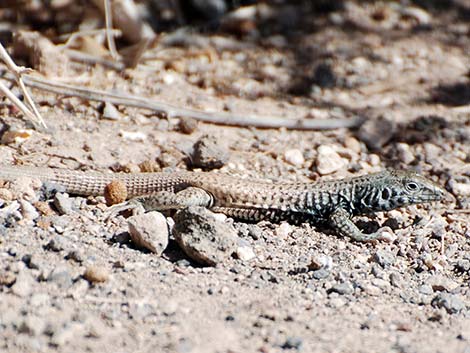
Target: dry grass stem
pixel 18 72
pixel 170 110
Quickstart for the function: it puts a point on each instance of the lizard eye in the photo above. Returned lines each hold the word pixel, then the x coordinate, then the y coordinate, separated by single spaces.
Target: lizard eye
pixel 412 186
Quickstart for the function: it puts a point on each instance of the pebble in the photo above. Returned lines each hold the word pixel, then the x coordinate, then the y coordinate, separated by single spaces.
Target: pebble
pixel 244 251
pixel 31 261
pixel 6 194
pixel 404 152
pixel 371 289
pixel 61 276
pixel 110 112
pixel 32 326
pixel 342 288
pixel 62 335
pixel 187 125
pixel 462 189
pixel 58 243
pixel 384 258
pixel 149 231
pixel 96 274
pixel 135 136
pixel 440 283
pixel 63 203
pixel 24 188
pixel 209 153
pixel 28 211
pixel 451 302
pixel 292 343
pixel 23 284
pixel 376 132
pixel 202 237
pixel 320 262
pixel 329 161
pixel 294 157
pixel 353 144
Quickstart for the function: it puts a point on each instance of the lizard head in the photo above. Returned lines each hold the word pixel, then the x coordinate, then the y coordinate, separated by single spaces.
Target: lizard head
pixel 401 188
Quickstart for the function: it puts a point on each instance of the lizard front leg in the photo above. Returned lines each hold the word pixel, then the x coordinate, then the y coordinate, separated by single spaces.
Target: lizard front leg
pixel 340 219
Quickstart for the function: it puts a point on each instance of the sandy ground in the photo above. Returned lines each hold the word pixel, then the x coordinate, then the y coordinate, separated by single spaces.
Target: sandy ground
pixel 407 75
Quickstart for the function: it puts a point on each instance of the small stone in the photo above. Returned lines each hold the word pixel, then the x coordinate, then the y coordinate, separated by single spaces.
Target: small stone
pixel 7 278
pixel 58 243
pixel 6 195
pixel 371 289
pixel 135 136
pixel 294 157
pixel 32 325
pixel 440 283
pixel 244 251
pixel 63 203
pixel 27 210
pixel 373 159
pixel 384 258
pixel 23 285
pixel 24 188
pixel 187 125
pixel 115 192
pixel 451 302
pixel 342 288
pixel 329 161
pixel 44 208
pixel 61 276
pixel 353 144
pixel 65 334
pixel 404 153
pixel 292 343
pixel 96 274
pixel 283 230
pixel 320 262
pixel 76 255
pixel 202 237
pixel 149 166
pixel 110 112
pixel 322 273
pixel 150 231
pixel 376 133
pixel 31 260
pixel 425 289
pixel 462 189
pixel 209 153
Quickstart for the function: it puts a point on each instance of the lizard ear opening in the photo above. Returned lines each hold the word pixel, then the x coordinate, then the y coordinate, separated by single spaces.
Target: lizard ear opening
pixel 385 194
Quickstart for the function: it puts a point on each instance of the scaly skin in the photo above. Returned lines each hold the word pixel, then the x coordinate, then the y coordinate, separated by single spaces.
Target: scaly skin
pixel 333 201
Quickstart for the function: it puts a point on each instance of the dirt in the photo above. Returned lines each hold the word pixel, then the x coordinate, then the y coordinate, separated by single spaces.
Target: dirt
pixel 70 281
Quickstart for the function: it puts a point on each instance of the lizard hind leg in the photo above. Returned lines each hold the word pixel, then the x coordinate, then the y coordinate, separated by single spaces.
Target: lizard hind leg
pixel 167 200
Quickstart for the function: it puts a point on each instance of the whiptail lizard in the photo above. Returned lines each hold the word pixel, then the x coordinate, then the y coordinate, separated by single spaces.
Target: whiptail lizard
pixel 333 201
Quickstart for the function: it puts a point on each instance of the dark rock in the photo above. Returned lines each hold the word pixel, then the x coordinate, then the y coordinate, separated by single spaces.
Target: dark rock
pixel 202 237
pixel 384 258
pixel 376 132
pixel 209 153
pixel 452 303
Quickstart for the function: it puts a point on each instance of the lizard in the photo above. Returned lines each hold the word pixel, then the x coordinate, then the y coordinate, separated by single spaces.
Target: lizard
pixel 331 201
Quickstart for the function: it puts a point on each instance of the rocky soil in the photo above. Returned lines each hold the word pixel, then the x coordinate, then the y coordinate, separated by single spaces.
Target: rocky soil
pixel 73 281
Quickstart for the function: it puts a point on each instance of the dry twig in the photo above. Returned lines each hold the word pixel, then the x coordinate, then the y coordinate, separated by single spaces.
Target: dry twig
pixel 18 72
pixel 222 118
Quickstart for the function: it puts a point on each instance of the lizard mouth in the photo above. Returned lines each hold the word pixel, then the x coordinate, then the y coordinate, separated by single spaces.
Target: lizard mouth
pixel 429 195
